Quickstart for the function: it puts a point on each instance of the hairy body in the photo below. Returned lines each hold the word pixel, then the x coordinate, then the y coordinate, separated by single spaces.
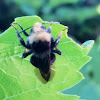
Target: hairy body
pixel 42 46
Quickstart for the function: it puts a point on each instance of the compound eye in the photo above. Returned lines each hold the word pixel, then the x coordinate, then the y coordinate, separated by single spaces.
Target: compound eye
pixel 43 27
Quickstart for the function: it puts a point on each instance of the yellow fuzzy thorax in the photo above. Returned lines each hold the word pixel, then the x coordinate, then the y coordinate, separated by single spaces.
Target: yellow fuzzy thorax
pixel 37 28
pixel 39 34
pixel 42 36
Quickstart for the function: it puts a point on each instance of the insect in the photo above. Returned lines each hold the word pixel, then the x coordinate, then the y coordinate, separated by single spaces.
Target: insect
pixel 42 46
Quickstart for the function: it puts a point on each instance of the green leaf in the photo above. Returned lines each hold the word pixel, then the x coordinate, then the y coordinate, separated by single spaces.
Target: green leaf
pixel 19 80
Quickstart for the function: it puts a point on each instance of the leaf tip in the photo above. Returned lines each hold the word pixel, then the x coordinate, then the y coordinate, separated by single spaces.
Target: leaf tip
pixel 88 44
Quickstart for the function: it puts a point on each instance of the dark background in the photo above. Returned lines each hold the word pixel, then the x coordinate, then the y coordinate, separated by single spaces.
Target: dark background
pixel 83 19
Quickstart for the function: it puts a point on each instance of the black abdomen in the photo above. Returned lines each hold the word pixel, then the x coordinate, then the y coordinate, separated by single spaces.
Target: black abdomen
pixel 41 47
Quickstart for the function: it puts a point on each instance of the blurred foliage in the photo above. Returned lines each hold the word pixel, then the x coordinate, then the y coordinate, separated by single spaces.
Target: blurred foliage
pixel 56 2
pixel 90 87
pixel 93 67
pixel 7 13
pixel 82 16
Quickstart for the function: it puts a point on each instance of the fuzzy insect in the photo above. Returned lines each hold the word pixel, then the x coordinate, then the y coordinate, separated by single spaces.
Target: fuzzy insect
pixel 42 46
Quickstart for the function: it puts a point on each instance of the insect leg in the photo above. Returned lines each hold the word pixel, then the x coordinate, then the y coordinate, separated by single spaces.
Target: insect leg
pixel 49 30
pixel 59 37
pixel 55 43
pixel 25 33
pixel 27 29
pixel 25 54
pixel 57 51
pixel 20 39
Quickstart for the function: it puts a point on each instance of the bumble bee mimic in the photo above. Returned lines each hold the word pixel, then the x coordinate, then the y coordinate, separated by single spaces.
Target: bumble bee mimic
pixel 42 46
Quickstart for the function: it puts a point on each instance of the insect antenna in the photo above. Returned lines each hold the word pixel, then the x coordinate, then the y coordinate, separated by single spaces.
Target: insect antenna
pixel 13 26
pixel 26 29
pixel 65 29
pixel 22 30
